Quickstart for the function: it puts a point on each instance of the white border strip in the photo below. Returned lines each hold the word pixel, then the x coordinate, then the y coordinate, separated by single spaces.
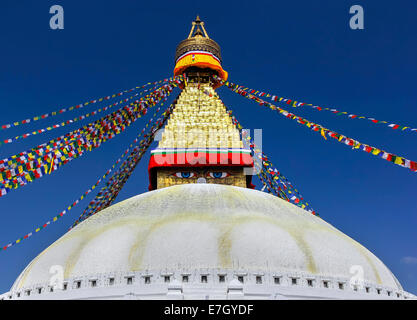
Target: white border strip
pixel 193 52
pixel 159 150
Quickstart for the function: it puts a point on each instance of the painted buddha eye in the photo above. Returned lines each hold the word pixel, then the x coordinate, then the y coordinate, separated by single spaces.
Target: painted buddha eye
pixel 218 174
pixel 184 174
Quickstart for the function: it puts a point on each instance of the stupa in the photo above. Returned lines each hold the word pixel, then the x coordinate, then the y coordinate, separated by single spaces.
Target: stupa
pixel 202 231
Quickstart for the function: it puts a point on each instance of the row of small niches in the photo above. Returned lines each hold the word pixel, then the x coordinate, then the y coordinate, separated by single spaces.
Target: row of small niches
pixel 204 278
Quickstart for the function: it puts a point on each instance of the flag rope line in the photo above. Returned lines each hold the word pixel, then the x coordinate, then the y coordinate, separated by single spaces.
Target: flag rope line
pixel 124 117
pixel 279 183
pixel 79 106
pixel 70 121
pixel 76 202
pixel 336 112
pixel 31 169
pixel 398 160
pixel 93 203
pixel 55 143
pixel 109 192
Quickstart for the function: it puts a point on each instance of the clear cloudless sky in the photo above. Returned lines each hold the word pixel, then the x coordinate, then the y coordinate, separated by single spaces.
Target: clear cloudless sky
pixel 297 49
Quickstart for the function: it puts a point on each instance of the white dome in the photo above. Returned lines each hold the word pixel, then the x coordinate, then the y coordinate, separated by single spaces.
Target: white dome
pixel 209 227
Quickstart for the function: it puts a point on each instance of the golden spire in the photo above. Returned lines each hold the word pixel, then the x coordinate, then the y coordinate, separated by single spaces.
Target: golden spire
pixel 200 128
pixel 197 22
pixel 200 143
pixel 199 51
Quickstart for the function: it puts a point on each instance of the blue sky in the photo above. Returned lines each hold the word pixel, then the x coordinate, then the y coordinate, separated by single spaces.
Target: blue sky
pixel 297 49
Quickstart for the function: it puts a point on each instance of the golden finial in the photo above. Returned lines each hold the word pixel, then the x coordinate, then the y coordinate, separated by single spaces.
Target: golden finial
pixel 198 41
pixel 197 23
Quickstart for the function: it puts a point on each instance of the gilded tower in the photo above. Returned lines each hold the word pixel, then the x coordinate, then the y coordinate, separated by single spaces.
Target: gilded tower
pixel 200 143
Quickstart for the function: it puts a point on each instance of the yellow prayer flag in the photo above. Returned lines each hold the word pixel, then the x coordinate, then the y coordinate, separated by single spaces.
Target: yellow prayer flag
pixel 398 160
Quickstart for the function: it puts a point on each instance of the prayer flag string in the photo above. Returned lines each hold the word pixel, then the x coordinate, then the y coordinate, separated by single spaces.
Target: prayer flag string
pixel 79 106
pixel 62 213
pixel 276 182
pixel 398 160
pixel 336 112
pixel 109 192
pixel 21 170
pixel 272 179
pixel 76 119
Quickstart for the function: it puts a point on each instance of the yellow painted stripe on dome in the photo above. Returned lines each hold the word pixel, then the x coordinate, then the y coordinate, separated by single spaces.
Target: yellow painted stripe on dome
pixel 200 60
